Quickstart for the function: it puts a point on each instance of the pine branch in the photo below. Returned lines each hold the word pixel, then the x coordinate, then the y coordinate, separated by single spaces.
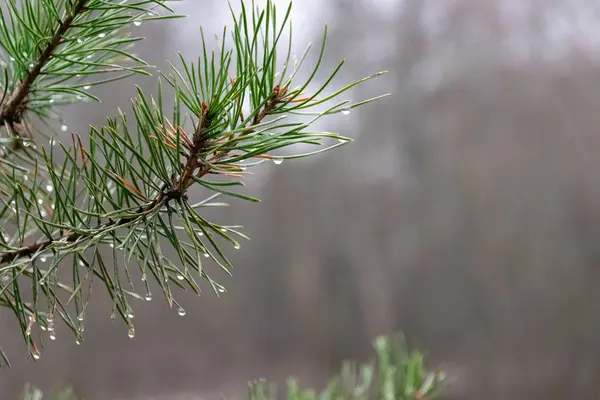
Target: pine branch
pixel 127 187
pixel 64 50
pixel 12 110
pixel 175 191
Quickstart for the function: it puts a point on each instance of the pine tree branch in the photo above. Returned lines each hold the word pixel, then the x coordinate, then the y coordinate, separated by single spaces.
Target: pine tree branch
pixel 13 109
pixel 175 191
pixel 128 186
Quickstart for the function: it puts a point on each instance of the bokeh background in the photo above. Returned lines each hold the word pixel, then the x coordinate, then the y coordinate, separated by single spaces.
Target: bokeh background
pixel 466 214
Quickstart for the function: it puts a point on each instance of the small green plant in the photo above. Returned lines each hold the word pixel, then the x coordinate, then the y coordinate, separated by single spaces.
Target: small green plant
pixel 396 374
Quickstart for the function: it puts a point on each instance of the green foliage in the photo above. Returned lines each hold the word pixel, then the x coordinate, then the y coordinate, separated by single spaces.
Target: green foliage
pixel 97 207
pixel 397 374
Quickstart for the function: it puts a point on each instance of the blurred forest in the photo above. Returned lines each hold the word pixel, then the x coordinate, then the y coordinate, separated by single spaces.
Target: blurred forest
pixel 466 214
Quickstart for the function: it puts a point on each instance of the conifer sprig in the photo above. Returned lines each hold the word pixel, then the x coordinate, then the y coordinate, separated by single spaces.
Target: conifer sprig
pixel 120 197
pixel 49 46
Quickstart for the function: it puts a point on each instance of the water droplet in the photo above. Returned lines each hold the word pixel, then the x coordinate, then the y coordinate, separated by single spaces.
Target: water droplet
pixel 42 327
pixel 112 246
pixel 40 201
pixel 79 40
pixel 346 111
pixel 25 54
pixel 79 97
pixel 42 282
pixel 77 342
pixel 51 101
pixel 101 35
pixel 200 233
pixel 137 23
pixel 43 213
pixel 223 230
pixel 64 128
pixel 144 278
pixel 80 317
pixel 181 311
pixel 277 160
pixel 130 315
pixel 221 289
pixel 206 255
pixel 52 206
pixel 236 246
pixel 25 177
pixel 36 356
pixel 30 65
pixel 90 56
pixel 12 58
pixel 49 188
pixel 43 259
pixel 180 277
pixel 26 144
pixel 81 263
pixel 148 297
pixel 52 142
pixel 131 332
pixel 86 87
pixel 52 336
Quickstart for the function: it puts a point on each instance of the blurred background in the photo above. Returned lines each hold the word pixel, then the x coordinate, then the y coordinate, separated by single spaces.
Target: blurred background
pixel 465 214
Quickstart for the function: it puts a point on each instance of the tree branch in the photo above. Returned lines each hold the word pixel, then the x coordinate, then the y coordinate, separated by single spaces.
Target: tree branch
pixel 175 191
pixel 12 111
